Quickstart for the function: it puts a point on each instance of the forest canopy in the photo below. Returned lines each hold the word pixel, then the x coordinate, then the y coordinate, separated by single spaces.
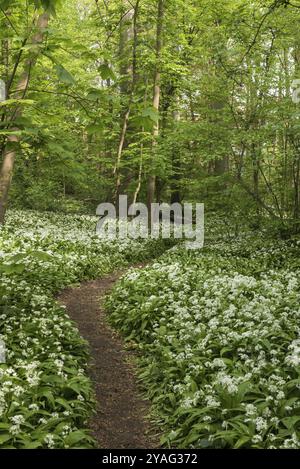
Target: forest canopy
pixel 164 100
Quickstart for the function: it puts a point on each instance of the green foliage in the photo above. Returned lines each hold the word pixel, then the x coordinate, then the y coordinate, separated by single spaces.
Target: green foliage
pixel 64 75
pixel 218 340
pixel 45 395
pixel 228 127
pixel 226 133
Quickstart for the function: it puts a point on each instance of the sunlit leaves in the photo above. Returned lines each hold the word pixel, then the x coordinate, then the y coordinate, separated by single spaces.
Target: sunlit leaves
pixel 146 119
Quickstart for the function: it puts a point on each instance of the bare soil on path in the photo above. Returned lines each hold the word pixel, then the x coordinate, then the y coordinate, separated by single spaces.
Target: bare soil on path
pixel 121 419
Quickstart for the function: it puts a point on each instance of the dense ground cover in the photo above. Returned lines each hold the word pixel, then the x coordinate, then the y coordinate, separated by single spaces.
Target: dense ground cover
pixel 45 395
pixel 218 334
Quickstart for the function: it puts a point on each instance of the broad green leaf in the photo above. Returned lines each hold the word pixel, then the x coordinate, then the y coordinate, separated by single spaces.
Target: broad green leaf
pixel 64 76
pixel 106 72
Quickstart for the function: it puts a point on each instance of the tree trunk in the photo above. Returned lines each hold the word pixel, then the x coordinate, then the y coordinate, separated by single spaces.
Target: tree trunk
pixel 9 153
pixel 176 163
pixel 6 174
pixel 127 88
pixel 156 99
pixel 125 91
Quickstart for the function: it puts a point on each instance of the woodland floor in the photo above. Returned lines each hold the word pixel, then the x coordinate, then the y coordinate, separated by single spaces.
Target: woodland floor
pixel 122 414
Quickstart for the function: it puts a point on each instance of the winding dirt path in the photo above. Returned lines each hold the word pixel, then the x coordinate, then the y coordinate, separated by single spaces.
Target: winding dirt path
pixel 121 418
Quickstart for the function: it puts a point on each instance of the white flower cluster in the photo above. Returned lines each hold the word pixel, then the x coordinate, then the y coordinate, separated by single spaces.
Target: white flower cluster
pixel 43 386
pixel 220 335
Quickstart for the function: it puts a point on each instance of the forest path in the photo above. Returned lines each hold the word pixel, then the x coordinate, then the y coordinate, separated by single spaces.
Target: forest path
pixel 121 418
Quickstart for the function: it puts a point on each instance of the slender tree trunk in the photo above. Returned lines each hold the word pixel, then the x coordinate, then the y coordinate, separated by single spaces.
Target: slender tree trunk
pixel 296 179
pixel 9 154
pixel 139 184
pixel 176 162
pixel 156 99
pixel 128 30
pixel 119 153
pixel 5 67
pixel 255 176
pixel 140 173
pixel 296 159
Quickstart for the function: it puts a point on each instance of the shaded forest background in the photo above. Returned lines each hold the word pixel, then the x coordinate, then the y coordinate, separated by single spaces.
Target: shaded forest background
pixel 164 100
